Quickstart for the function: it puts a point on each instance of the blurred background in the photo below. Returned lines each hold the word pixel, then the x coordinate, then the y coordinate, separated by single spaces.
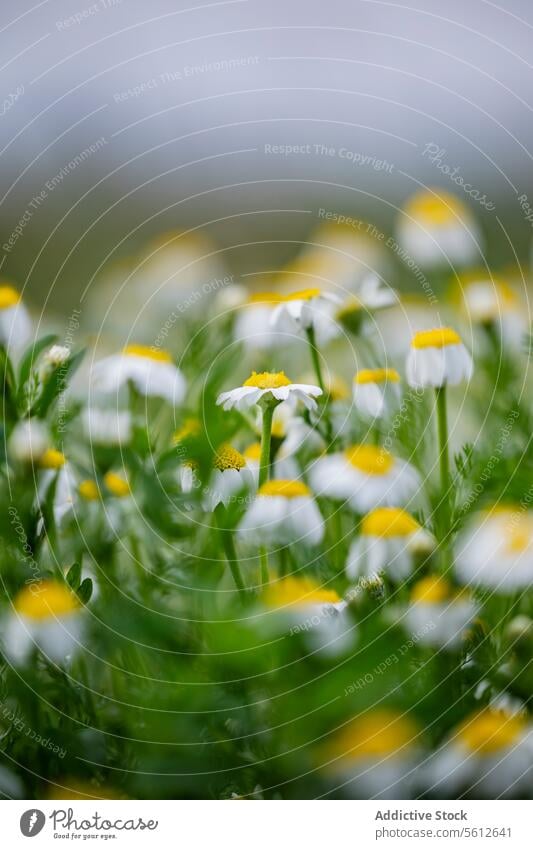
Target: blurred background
pixel 240 120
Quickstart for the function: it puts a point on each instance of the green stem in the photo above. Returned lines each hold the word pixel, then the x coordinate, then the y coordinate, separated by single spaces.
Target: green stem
pixel 315 357
pixel 444 463
pixel 263 557
pixel 266 439
pixel 226 537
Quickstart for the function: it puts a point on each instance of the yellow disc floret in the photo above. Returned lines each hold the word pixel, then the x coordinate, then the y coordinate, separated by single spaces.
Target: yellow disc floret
pixel 376 734
pixel 228 457
pixel 117 485
pixel 253 452
pixel 268 380
pixel 298 592
pixel 46 599
pixel 489 731
pixel 285 488
pixel 438 337
pixel 377 375
pixel 88 489
pixel 303 295
pixel 147 353
pixel 191 427
pixel 431 590
pixel 265 298
pixel 435 208
pixel 9 297
pixel 370 459
pixel 52 459
pixel 389 522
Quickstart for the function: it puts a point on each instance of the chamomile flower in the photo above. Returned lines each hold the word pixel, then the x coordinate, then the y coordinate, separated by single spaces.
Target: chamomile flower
pixel 365 476
pixel 301 606
pixel 28 442
pixel 438 613
pixel 376 392
pixel 372 295
pixel 55 467
pixel 151 371
pixel 496 550
pixel 374 756
pixel 489 755
pixel 389 540
pixel 491 302
pixel 271 387
pixel 252 325
pixel 308 309
pixel 283 513
pixel 46 615
pixel 57 355
pixel 231 477
pixel 436 229
pixel 15 322
pixel 438 358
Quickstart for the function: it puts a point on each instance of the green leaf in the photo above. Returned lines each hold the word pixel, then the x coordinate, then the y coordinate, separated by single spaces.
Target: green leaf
pixel 30 357
pixel 74 576
pixel 85 590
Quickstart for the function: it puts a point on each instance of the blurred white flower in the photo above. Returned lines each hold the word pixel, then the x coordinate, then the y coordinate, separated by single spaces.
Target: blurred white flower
pixel 28 441
pixel 438 358
pixel 438 613
pixel 495 550
pixel 283 513
pixel 376 392
pixel 151 371
pixel 388 541
pixel 308 309
pixel 15 322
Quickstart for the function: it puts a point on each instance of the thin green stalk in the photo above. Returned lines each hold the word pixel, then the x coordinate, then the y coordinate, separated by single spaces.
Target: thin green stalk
pixel 444 464
pixel 315 357
pixel 266 439
pixel 226 538
pixel 263 558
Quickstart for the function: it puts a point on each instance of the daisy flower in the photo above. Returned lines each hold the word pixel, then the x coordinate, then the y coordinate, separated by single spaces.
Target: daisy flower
pixel 231 476
pixel 308 310
pixel 15 322
pixel 372 295
pixel 495 550
pixel 46 615
pixel 374 756
pixel 389 540
pixel 151 371
pixel 57 355
pixel 270 387
pixel 252 325
pixel 438 358
pixel 490 755
pixel 301 606
pixel 283 513
pixel 491 302
pixel 365 476
pixel 376 392
pixel 436 229
pixel 55 468
pixel 28 442
pixel 438 613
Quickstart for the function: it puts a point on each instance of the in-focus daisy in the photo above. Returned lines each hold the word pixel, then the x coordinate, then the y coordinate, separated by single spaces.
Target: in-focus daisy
pixel 46 615
pixel 438 613
pixel 438 358
pixel 107 427
pixel 271 387
pixel 374 756
pixel 231 477
pixel 15 322
pixel 436 229
pixel 305 310
pixel 151 371
pixel 252 325
pixel 283 513
pixel 28 442
pixel 390 538
pixel 496 550
pixel 365 476
pixel 489 755
pixel 491 302
pixel 376 392
pixel 301 606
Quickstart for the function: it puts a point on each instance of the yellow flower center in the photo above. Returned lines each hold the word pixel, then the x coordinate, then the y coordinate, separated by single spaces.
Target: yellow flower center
pixel 350 307
pixel 52 459
pixel 303 295
pixel 268 380
pixel 370 459
pixel 298 592
pixel 379 733
pixel 228 457
pixel 431 590
pixel 147 353
pixel 285 488
pixel 435 208
pixel 377 375
pixel 490 731
pixel 520 534
pixel 439 337
pixel 46 599
pixel 191 427
pixel 389 522
pixel 117 485
pixel 253 452
pixel 9 297
pixel 265 298
pixel 88 489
